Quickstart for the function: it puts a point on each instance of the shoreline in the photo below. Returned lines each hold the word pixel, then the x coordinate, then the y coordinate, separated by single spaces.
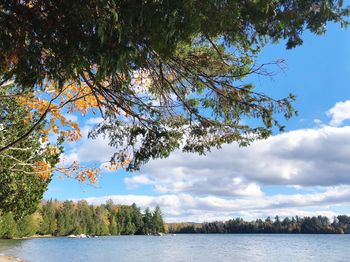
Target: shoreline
pixel 4 258
pixel 177 233
pixel 32 237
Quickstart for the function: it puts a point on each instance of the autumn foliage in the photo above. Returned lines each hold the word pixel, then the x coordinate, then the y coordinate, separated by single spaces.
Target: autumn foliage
pixel 54 103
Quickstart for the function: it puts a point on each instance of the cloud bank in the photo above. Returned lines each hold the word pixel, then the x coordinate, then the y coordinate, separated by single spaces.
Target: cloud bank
pixel 232 181
pixel 186 207
pixel 306 158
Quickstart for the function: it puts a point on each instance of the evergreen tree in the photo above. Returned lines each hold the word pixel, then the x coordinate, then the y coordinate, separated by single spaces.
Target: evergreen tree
pixel 48 225
pixel 113 226
pixel 65 218
pixel 85 218
pixel 136 218
pixel 196 55
pixel 307 225
pixel 147 222
pixel 8 226
pixel 26 226
pixel 157 220
pixel 124 217
pixel 101 220
pixel 66 223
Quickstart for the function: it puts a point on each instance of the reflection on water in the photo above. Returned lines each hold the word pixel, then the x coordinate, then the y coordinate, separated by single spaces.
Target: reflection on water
pixel 10 247
pixel 181 248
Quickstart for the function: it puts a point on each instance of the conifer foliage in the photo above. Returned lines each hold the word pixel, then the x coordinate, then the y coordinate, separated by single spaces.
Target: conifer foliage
pixel 294 225
pixel 162 74
pixel 69 218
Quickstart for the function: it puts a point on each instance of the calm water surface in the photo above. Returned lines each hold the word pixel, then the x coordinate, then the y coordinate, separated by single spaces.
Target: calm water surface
pixel 201 248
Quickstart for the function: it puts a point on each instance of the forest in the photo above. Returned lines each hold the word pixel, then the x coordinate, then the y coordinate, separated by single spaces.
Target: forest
pixel 294 225
pixel 56 218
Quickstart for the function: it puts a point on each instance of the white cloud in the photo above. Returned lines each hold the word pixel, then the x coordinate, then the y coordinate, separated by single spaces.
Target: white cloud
pixel 134 181
pixel 186 207
pixel 318 122
pixel 87 149
pixel 68 159
pixel 94 121
pixel 339 113
pixel 71 117
pixel 307 157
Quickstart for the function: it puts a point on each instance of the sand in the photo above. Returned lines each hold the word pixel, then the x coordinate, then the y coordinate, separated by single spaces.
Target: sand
pixel 4 258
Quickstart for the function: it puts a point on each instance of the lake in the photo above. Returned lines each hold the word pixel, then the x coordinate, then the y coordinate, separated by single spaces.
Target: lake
pixel 169 248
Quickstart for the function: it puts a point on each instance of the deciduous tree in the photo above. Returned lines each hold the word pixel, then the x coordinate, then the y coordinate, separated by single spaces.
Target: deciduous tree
pixel 25 168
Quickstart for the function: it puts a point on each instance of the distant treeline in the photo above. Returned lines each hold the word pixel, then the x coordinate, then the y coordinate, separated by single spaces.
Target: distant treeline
pixel 306 225
pixel 65 218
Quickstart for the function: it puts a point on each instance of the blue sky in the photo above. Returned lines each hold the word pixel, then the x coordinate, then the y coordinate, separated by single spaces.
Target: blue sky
pixel 303 171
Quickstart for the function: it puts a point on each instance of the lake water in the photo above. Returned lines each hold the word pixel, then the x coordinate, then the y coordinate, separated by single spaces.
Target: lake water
pixel 201 248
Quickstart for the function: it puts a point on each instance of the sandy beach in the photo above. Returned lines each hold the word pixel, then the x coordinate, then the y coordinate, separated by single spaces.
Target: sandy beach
pixel 4 258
